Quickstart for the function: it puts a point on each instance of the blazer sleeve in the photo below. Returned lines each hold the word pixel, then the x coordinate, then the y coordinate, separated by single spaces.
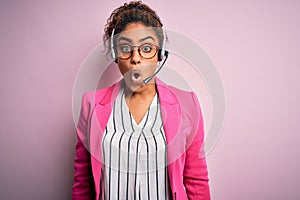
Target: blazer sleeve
pixel 195 175
pixel 83 186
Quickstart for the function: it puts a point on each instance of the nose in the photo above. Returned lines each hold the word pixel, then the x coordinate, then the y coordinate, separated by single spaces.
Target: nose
pixel 135 57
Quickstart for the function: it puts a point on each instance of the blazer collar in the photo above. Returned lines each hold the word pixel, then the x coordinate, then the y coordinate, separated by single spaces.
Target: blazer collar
pixel 110 94
pixel 164 92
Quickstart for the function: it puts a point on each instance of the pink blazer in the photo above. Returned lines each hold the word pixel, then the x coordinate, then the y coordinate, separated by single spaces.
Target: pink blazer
pixel 183 126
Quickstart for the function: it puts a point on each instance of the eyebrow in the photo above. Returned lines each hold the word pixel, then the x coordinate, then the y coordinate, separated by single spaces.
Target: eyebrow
pixel 141 40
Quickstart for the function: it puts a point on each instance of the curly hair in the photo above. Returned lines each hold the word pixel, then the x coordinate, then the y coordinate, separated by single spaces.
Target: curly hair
pixel 132 12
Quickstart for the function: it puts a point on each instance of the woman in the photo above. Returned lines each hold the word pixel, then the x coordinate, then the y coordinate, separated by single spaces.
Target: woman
pixel 139 139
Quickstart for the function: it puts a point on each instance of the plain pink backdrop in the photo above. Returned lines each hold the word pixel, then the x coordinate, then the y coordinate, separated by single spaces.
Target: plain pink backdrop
pixel 254 44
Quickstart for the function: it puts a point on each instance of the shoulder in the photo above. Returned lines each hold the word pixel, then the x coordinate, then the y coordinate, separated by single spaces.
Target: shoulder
pixel 180 92
pixel 187 101
pixel 177 95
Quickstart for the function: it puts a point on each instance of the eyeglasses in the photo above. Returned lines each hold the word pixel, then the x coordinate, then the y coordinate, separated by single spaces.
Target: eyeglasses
pixel 147 51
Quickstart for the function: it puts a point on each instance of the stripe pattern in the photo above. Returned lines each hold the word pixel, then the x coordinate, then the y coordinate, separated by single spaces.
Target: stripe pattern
pixel 134 155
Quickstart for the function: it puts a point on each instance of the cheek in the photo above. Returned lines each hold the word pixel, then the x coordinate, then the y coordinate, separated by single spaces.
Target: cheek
pixel 147 67
pixel 153 65
pixel 152 68
pixel 122 67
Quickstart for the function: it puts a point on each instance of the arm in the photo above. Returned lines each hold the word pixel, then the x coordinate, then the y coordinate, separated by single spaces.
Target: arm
pixel 83 186
pixel 195 175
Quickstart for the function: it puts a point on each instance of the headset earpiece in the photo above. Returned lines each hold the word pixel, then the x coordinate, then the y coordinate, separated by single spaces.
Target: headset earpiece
pixel 162 51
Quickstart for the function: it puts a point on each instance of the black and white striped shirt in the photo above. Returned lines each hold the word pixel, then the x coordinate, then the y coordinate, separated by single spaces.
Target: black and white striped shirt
pixel 134 155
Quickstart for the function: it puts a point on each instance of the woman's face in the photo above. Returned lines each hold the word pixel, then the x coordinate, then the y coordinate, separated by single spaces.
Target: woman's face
pixel 137 49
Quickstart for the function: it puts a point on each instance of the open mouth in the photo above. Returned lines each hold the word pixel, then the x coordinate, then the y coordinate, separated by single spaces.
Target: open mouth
pixel 135 76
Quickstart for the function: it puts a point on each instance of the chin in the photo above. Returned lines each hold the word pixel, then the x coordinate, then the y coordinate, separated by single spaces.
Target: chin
pixel 133 87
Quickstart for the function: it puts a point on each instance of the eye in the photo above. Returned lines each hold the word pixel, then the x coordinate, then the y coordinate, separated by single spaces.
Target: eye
pixel 146 48
pixel 125 48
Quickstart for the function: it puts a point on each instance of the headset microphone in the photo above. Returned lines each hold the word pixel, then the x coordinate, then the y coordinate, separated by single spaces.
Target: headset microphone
pixel 148 79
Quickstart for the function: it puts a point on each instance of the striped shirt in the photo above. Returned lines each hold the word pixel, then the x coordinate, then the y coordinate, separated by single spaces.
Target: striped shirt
pixel 134 155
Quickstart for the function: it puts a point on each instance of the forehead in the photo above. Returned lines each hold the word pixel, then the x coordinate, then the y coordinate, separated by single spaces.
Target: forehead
pixel 136 32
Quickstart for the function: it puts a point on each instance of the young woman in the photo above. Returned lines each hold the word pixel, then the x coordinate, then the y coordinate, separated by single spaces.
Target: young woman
pixel 140 138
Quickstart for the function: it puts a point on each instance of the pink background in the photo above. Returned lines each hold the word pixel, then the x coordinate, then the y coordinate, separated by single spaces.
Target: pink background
pixel 254 44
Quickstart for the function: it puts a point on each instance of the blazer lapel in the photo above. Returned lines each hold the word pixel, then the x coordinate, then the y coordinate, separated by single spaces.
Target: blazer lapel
pixel 99 118
pixel 170 110
pixel 175 128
